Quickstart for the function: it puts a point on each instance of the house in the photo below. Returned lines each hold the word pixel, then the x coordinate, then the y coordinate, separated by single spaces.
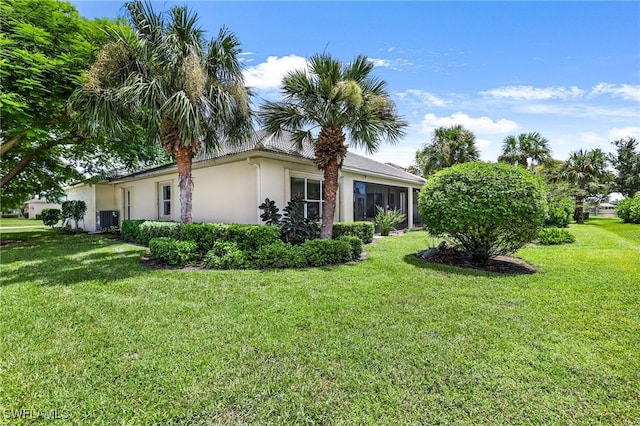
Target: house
pixel 34 207
pixel 230 184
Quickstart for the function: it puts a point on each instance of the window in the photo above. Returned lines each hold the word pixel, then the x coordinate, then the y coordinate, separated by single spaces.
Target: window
pixel 127 203
pixel 311 191
pixel 368 196
pixel 164 205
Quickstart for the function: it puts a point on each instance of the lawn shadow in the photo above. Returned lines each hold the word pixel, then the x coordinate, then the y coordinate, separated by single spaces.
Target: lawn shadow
pixel 501 267
pixel 53 259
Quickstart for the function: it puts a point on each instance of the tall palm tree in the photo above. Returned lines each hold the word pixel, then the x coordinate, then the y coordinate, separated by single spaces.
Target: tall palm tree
pixel 324 105
pixel 449 146
pixel 586 170
pixel 187 92
pixel 526 149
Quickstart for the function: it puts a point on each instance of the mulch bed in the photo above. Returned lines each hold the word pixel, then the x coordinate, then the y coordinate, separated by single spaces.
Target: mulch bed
pixel 5 242
pixel 499 264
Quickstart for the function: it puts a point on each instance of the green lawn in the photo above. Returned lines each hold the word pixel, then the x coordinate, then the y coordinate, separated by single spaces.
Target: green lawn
pixel 90 335
pixel 11 223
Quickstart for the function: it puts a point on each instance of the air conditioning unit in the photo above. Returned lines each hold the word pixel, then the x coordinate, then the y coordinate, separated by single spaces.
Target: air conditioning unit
pixel 106 219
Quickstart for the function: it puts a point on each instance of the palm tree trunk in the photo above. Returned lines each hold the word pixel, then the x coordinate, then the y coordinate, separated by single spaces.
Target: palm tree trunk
pixel 330 193
pixel 579 209
pixel 184 158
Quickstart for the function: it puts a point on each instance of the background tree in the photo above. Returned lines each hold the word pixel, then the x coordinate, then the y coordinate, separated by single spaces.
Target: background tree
pixel 188 93
pixel 526 149
pixel 626 161
pixel 323 102
pixel 586 171
pixel 449 146
pixel 46 45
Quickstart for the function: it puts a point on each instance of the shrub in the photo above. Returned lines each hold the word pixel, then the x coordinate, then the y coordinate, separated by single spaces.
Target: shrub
pixel 173 252
pixel 250 238
pixel 280 255
pixel 295 228
pixel 153 229
pixel 10 215
pixel 75 210
pixel 488 209
pixel 226 255
pixel 356 245
pixel 204 234
pixel 50 217
pixel 558 217
pixel 628 209
pixel 130 230
pixel 388 220
pixel 322 252
pixel 271 215
pixel 362 230
pixel 38 216
pixel 552 236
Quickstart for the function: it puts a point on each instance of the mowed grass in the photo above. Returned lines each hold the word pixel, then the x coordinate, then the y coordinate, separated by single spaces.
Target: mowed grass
pixel 12 223
pixel 89 335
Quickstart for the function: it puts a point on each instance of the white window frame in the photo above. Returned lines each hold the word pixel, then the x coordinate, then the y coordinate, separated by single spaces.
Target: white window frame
pixel 306 198
pixel 162 201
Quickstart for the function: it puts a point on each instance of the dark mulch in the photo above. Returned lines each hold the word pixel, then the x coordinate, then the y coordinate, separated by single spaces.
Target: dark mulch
pixel 6 242
pixel 499 264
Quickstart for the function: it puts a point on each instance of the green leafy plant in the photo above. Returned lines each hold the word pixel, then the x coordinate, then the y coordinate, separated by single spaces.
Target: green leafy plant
pixel 628 209
pixel 226 255
pixel 356 245
pixel 153 229
pixel 488 209
pixel 75 210
pixel 173 252
pixel 130 231
pixel 204 234
pixel 250 238
pixel 553 236
pixel 321 252
pixel 280 255
pixel 50 217
pixel 295 228
pixel 362 230
pixel 271 215
pixel 387 220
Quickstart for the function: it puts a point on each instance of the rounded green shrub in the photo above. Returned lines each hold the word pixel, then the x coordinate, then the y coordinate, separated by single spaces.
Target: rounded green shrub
pixel 321 252
pixel 554 236
pixel 226 255
pixel 173 252
pixel 489 209
pixel 280 255
pixel 50 217
pixel 628 209
pixel 356 245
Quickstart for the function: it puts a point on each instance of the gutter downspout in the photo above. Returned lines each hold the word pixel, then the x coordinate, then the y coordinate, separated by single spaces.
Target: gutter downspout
pixel 258 188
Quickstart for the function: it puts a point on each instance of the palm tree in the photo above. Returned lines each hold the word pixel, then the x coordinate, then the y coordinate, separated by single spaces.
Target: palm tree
pixel 587 171
pixel 324 102
pixel 186 92
pixel 449 146
pixel 526 149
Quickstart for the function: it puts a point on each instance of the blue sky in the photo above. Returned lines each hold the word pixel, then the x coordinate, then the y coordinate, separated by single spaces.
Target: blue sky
pixel 569 70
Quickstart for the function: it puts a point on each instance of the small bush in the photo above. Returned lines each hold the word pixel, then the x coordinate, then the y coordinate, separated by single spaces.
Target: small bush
pixel 75 210
pixel 130 230
pixel 553 236
pixel 38 216
pixel 356 246
pixel 558 217
pixel 50 217
pixel 10 215
pixel 204 234
pixel 251 237
pixel 628 209
pixel 154 229
pixel 280 255
pixel 294 227
pixel 388 220
pixel 226 255
pixel 322 252
pixel 362 230
pixel 173 252
pixel 271 215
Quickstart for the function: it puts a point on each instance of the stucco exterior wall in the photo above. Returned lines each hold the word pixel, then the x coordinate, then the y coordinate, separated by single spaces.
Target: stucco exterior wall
pixel 35 207
pixel 87 194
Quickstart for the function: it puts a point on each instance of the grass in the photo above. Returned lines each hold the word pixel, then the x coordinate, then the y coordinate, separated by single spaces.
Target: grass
pixel 89 335
pixel 10 222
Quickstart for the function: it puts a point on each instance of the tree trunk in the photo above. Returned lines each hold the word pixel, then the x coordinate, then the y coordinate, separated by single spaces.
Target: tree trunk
pixel 13 142
pixel 330 193
pixel 579 209
pixel 184 158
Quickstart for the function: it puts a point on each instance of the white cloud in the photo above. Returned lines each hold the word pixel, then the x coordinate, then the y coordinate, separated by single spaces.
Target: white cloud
pixel 530 93
pixel 426 98
pixel 268 75
pixel 393 64
pixel 483 143
pixel 605 139
pixel 478 125
pixel 627 92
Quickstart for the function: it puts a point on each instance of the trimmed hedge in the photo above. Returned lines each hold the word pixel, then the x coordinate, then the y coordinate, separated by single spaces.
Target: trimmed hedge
pixel 174 252
pixel 362 230
pixel 251 237
pixel 130 230
pixel 356 245
pixel 204 234
pixel 553 236
pixel 323 252
pixel 226 255
pixel 628 209
pixel 280 255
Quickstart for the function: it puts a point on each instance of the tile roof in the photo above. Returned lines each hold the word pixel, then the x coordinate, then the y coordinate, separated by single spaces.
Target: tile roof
pixel 282 144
